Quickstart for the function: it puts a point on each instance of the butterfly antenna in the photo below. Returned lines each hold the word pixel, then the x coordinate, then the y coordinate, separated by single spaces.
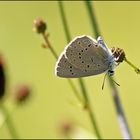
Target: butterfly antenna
pixel 115 82
pixel 111 79
pixel 104 81
pixel 137 70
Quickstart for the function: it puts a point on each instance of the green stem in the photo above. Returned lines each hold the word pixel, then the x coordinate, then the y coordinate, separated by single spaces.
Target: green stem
pixel 92 17
pixel 49 45
pixel 56 57
pixel 80 80
pixel 64 21
pixel 89 108
pixel 132 65
pixel 120 113
pixel 75 91
pixel 9 121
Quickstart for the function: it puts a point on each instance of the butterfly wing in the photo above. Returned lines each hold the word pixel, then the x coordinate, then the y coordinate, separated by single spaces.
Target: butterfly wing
pixel 103 45
pixel 87 55
pixel 65 69
pixel 83 56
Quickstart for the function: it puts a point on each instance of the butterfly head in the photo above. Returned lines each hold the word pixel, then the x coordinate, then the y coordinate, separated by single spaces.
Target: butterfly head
pixel 118 56
pixel 111 72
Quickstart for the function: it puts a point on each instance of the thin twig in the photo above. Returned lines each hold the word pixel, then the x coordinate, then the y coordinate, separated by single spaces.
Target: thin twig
pixel 49 45
pixel 120 113
pixel 81 82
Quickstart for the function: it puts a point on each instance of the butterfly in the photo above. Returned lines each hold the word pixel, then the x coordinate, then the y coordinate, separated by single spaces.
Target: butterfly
pixel 85 56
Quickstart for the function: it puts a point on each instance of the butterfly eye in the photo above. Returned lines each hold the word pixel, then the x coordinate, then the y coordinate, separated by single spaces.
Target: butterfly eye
pixel 110 72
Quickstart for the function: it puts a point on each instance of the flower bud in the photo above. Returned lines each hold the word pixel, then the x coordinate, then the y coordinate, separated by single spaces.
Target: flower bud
pixel 22 93
pixel 39 25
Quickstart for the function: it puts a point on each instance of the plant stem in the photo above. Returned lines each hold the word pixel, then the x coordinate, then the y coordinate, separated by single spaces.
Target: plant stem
pixel 75 91
pixel 80 80
pixel 56 57
pixel 9 121
pixel 89 109
pixel 120 113
pixel 92 17
pixel 49 45
pixel 137 70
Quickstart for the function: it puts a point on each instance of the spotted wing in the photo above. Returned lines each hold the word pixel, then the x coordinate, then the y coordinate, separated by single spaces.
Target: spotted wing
pixel 87 55
pixel 65 69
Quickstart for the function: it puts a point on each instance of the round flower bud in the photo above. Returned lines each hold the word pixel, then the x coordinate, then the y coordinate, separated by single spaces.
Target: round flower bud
pixel 22 93
pixel 39 25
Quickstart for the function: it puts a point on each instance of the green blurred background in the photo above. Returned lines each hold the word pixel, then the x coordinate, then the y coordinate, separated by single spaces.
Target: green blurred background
pixel 27 62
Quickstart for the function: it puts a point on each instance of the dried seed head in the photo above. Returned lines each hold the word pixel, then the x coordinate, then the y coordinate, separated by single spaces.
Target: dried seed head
pixel 2 78
pixel 113 49
pixel 119 54
pixel 22 93
pixel 39 25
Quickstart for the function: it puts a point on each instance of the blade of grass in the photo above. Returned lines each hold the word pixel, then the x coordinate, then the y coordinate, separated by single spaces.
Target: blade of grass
pixel 120 113
pixel 80 80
